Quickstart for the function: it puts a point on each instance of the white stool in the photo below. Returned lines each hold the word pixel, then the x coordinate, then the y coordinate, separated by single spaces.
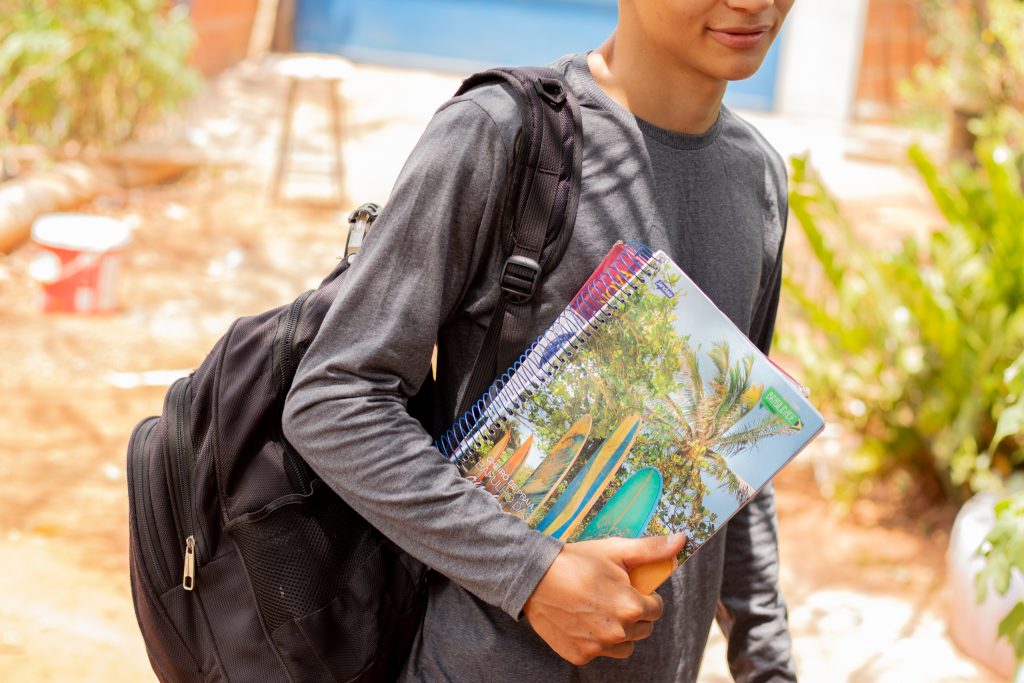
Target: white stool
pixel 329 70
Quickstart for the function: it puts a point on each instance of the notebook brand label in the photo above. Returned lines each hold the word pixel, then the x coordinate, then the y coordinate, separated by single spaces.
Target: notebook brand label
pixel 775 403
pixel 665 289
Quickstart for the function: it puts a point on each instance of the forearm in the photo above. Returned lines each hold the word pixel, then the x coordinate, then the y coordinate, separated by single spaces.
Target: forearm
pixel 347 412
pixel 381 462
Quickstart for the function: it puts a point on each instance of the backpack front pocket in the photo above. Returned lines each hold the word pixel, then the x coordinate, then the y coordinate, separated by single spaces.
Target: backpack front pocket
pixel 331 590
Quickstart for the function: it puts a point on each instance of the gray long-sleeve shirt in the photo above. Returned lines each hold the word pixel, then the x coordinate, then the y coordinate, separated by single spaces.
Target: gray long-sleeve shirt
pixel 716 203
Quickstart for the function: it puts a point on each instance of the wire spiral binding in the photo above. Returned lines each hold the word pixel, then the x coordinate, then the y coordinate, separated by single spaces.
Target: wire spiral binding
pixel 538 365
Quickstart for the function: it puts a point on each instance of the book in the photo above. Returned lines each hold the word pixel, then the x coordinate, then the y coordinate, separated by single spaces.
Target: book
pixel 643 410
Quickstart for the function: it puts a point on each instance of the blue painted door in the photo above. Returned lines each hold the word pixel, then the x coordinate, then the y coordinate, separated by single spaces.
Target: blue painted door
pixel 465 35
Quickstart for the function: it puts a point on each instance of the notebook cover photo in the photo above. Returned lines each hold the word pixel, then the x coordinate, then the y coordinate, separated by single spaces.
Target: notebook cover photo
pixel 642 411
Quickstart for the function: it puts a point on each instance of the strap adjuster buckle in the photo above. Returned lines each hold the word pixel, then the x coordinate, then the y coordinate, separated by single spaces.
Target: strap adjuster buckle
pixel 519 278
pixel 551 90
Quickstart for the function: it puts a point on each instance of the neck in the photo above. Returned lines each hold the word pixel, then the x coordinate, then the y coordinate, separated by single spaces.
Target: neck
pixel 654 87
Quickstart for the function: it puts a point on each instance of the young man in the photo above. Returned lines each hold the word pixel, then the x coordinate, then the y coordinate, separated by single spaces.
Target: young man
pixel 664 163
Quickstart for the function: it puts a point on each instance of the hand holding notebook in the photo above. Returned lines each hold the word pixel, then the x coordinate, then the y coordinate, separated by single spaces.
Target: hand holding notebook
pixel 643 410
pixel 585 606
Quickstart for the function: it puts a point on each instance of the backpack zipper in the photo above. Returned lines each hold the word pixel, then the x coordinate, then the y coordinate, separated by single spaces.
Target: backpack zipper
pixel 287 375
pixel 152 559
pixel 291 325
pixel 188 579
pixel 184 472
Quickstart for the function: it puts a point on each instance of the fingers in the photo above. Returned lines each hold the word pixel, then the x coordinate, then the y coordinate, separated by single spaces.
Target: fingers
pixel 639 630
pixel 565 614
pixel 624 648
pixel 629 607
pixel 619 650
pixel 645 578
pixel 633 620
pixel 653 607
pixel 633 552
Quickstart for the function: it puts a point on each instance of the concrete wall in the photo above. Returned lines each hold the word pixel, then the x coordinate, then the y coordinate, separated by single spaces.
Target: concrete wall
pixel 820 59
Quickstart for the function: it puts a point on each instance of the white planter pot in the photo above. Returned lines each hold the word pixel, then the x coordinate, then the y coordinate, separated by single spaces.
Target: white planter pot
pixel 974 626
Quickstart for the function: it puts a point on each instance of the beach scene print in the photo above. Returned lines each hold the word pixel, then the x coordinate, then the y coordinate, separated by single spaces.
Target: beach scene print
pixel 667 419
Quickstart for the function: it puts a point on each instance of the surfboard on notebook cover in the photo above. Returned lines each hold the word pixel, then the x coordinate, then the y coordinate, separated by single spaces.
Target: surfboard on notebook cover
pixel 486 462
pixel 629 511
pixel 552 470
pixel 501 475
pixel 519 465
pixel 586 487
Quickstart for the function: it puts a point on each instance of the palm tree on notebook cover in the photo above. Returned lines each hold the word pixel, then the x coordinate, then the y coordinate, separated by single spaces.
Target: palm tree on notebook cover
pixel 705 422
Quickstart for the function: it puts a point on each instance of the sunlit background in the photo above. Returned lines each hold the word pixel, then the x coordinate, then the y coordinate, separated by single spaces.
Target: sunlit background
pixel 167 167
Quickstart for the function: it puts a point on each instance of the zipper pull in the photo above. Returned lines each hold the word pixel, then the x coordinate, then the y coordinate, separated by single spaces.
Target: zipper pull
pixel 188 580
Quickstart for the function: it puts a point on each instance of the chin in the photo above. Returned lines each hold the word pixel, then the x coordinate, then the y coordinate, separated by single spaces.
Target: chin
pixel 737 69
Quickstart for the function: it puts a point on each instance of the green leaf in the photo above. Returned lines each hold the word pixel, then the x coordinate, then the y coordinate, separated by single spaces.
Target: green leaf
pixel 1012 628
pixel 952 206
pixel 1013 376
pixel 1011 423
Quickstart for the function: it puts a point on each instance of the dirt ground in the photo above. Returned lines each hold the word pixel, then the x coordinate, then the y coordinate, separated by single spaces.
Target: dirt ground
pixel 864 584
pixel 66 614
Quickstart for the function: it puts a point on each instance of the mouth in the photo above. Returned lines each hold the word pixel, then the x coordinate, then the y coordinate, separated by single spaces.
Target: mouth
pixel 740 37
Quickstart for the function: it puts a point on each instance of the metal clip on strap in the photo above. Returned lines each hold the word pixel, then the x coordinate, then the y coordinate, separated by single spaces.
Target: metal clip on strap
pixel 359 221
pixel 519 278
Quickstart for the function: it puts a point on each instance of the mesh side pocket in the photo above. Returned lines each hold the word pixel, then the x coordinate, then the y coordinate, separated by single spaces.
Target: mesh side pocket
pixel 326 582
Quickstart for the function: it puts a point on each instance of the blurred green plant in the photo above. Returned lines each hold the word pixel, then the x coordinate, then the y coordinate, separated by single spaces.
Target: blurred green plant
pixel 90 71
pixel 978 68
pixel 920 349
pixel 1003 550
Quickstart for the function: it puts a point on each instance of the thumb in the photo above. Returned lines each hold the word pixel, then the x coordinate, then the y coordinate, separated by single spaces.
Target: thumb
pixel 637 551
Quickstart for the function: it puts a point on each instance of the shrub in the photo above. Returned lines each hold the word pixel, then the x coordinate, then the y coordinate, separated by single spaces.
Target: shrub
pixel 91 71
pixel 978 67
pixel 920 349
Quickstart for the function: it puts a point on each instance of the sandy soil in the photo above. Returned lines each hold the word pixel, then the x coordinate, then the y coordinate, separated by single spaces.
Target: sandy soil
pixel 66 614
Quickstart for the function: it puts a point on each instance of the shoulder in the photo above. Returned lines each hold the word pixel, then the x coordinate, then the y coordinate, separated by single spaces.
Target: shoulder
pixel 494 107
pixel 741 133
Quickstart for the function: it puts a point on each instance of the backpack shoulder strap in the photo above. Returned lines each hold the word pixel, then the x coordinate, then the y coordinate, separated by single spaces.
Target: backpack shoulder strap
pixel 539 212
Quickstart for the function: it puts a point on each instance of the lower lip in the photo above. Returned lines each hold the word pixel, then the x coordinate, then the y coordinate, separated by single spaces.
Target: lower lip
pixel 739 41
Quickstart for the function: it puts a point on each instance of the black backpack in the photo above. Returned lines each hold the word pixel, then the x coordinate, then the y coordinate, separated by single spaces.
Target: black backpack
pixel 245 566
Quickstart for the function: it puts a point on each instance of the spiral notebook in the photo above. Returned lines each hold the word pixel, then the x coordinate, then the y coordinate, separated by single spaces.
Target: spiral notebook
pixel 643 410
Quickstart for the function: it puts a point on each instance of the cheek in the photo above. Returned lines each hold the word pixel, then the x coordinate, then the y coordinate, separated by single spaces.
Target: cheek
pixel 783 7
pixel 680 13
pixel 675 21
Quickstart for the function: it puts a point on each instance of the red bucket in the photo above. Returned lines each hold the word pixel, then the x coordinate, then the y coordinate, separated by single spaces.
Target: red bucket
pixel 77 261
